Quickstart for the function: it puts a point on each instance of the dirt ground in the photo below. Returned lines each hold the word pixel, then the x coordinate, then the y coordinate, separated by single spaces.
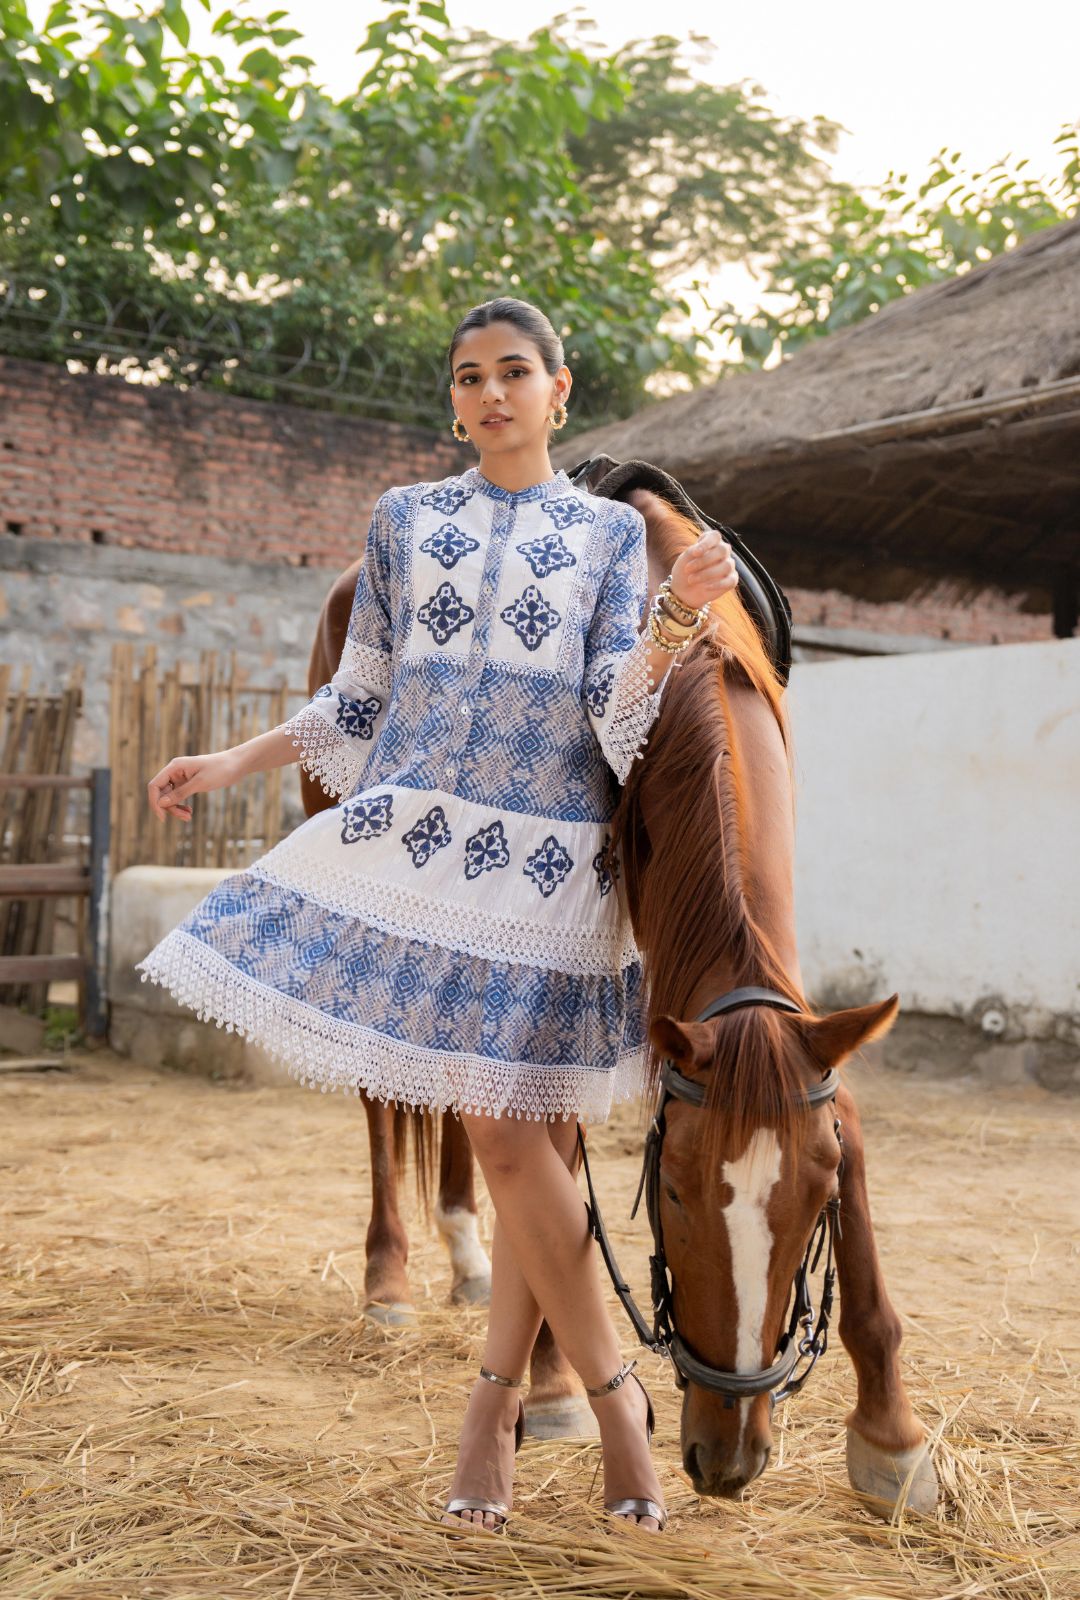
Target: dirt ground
pixel 191 1403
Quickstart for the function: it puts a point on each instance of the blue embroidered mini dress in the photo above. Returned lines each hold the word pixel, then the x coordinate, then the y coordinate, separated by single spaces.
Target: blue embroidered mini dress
pixel 452 934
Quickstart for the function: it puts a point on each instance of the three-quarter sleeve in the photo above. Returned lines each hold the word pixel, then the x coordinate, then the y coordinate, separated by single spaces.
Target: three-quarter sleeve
pixel 337 729
pixel 617 687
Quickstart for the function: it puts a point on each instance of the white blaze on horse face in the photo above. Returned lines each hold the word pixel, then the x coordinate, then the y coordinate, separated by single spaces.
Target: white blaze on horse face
pixel 752 1178
pixel 461 1235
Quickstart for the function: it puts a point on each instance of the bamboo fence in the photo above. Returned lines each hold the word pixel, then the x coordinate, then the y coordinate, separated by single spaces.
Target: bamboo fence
pixel 157 713
pixel 37 735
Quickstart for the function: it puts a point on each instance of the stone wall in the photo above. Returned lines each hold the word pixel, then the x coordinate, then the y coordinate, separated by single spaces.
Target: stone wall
pixel 67 603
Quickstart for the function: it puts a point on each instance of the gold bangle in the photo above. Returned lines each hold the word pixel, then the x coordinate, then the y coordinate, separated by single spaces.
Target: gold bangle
pixel 675 625
pixel 658 638
pixel 689 612
pixel 678 624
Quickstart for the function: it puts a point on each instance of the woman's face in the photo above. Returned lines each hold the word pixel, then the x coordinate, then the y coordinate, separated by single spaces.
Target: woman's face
pixel 501 389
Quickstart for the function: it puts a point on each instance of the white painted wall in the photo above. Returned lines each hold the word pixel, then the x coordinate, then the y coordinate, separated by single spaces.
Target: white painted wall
pixel 938 831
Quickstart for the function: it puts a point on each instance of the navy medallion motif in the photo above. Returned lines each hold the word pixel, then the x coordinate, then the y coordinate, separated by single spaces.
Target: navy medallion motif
pixel 531 618
pixel 366 817
pixel 444 613
pixel 548 866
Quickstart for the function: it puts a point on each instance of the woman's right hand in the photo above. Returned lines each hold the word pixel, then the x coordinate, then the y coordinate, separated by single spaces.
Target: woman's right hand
pixel 170 789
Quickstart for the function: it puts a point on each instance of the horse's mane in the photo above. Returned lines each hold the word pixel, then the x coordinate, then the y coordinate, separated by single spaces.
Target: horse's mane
pixel 688 898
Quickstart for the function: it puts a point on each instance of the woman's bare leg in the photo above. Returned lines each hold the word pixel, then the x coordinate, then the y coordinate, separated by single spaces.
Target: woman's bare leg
pixel 485 1468
pixel 545 1264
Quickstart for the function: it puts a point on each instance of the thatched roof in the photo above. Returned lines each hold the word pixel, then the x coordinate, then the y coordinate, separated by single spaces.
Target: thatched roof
pixel 937 439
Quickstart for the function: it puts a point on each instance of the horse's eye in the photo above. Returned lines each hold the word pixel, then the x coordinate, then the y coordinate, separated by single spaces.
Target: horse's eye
pixel 671 1193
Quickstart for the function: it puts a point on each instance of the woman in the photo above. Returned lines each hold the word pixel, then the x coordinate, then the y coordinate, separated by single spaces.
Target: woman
pixel 447 936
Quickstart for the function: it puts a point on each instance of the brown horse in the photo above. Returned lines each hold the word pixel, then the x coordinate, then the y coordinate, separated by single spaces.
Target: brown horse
pixel 706 837
pixel 704 830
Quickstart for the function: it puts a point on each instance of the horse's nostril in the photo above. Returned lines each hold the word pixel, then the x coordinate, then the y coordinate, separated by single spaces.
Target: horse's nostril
pixel 690 1462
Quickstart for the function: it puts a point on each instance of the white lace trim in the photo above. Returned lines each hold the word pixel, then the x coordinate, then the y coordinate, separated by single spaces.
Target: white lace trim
pixel 326 753
pixel 633 707
pixel 328 1053
pixel 363 670
pixel 450 923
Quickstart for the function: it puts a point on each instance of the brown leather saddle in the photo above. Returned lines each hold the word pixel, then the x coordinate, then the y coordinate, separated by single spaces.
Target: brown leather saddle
pixel 761 594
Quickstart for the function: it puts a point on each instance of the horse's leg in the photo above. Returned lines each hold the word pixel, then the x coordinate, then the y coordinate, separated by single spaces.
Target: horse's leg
pixel 386 1284
pixel 455 1217
pixel 886 1443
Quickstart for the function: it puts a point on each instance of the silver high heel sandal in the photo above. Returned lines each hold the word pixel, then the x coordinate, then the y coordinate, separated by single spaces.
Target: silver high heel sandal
pixel 639 1505
pixel 497 1508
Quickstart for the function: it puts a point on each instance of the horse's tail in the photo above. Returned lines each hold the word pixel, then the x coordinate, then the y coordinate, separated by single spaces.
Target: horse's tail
pixel 419 1129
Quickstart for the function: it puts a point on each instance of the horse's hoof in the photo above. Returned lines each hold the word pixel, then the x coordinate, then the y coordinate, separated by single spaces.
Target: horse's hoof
pixel 391 1313
pixel 904 1481
pixel 566 1417
pixel 471 1292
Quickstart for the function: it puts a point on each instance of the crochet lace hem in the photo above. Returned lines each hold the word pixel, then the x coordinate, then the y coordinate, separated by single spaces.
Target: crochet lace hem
pixel 326 753
pixel 456 926
pixel 635 705
pixel 329 1053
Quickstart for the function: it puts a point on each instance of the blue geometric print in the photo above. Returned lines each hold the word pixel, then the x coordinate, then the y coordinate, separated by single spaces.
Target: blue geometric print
pixel 606 867
pixel 438 999
pixel 599 690
pixel 486 849
pixel 531 618
pixel 547 555
pixel 567 512
pixel 447 498
pixel 448 545
pixel 445 613
pixel 366 817
pixel 548 866
pixel 427 835
pixel 357 718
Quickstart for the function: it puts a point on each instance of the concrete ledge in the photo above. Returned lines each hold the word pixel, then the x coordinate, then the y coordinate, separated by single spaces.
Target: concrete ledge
pixel 146 1023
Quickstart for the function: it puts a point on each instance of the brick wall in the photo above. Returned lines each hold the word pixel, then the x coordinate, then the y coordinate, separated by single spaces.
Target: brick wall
pixel 987 618
pixel 97 460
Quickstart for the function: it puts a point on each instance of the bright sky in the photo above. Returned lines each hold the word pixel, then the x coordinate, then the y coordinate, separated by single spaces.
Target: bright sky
pixel 904 78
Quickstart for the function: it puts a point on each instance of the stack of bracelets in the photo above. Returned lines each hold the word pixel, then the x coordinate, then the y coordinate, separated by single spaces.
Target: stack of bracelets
pixel 672 625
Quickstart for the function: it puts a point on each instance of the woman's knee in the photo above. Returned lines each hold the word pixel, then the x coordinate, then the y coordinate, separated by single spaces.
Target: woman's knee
pixel 505 1145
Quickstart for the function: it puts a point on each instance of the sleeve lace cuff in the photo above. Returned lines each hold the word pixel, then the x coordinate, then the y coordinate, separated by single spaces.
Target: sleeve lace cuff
pixel 327 754
pixel 633 708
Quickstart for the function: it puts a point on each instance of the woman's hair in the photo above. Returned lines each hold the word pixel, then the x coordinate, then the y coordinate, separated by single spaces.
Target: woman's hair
pixel 526 318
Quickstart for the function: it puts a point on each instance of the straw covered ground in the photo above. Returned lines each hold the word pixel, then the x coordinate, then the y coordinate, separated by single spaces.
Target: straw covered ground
pixel 192 1404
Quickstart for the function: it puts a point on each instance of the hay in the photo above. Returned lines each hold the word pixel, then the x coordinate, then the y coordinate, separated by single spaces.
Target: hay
pixel 193 1405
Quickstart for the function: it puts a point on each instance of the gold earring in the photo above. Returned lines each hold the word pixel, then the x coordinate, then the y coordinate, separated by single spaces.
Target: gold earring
pixel 463 436
pixel 558 417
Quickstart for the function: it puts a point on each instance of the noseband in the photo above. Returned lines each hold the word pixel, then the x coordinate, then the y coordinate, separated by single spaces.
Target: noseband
pixel 804 1340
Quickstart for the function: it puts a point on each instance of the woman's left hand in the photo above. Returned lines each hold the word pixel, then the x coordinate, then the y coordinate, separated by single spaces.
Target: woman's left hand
pixel 705 571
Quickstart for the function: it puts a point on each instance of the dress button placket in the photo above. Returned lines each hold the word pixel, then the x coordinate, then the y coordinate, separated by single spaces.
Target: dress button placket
pixel 502 523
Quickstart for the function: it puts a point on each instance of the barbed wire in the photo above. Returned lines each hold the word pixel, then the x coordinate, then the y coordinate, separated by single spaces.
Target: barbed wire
pixel 46 317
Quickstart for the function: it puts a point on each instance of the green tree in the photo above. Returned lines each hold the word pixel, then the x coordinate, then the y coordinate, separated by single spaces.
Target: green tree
pixel 242 229
pixel 247 231
pixel 870 250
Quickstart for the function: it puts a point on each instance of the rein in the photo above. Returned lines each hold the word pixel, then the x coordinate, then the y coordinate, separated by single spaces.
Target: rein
pixel 804 1340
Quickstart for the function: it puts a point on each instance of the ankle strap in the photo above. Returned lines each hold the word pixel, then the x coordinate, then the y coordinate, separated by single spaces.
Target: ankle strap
pixel 506 1383
pixel 613 1383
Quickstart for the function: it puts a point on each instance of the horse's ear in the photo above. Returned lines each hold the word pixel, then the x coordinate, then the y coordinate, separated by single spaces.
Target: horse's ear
pixel 685 1042
pixel 833 1037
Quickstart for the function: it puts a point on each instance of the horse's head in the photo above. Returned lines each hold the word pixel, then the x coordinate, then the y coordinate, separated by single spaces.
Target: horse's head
pixel 742 1182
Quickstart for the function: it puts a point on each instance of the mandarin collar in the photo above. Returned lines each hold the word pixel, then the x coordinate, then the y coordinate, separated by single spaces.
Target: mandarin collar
pixel 475 479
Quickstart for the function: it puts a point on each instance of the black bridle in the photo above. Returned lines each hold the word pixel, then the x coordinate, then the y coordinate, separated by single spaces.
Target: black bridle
pixel 804 1340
